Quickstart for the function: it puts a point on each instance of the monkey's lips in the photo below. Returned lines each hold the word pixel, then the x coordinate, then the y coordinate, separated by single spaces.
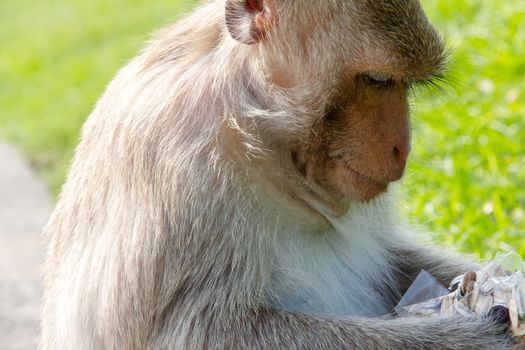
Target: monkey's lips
pixel 351 182
pixel 366 178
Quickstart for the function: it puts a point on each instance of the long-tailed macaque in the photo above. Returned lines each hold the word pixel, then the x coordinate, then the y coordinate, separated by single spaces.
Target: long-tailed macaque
pixel 231 188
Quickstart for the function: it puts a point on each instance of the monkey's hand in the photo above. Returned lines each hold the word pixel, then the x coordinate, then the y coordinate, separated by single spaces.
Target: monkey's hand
pixel 490 292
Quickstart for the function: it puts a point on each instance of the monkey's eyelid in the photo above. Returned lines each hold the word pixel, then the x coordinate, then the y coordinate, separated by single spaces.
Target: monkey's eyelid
pixel 377 80
pixel 380 76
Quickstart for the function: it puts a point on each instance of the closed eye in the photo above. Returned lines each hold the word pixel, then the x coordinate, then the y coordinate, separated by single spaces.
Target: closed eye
pixel 378 79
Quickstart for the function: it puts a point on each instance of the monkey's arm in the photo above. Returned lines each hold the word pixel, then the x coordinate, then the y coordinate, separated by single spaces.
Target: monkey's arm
pixel 270 329
pixel 412 258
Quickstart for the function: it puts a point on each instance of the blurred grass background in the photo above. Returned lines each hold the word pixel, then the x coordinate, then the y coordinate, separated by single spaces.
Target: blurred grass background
pixel 466 180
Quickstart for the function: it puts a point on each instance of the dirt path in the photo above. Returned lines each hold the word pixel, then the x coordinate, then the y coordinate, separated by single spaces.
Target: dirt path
pixel 24 207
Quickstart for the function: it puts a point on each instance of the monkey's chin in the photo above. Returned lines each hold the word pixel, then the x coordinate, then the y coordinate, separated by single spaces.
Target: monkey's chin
pixel 349 182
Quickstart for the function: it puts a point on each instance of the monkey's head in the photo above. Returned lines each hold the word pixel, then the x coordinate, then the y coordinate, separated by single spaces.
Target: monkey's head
pixel 345 68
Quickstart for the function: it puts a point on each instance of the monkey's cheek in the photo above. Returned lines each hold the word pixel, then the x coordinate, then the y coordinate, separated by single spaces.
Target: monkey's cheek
pixel 353 185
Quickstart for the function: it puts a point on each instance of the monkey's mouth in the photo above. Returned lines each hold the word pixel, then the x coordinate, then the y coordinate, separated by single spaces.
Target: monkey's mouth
pixel 353 183
pixel 365 178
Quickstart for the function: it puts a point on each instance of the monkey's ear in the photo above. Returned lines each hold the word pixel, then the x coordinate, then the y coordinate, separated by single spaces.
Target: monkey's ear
pixel 248 20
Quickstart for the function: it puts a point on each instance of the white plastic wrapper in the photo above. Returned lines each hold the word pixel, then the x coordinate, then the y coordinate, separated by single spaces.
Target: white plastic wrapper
pixel 476 293
pixel 423 297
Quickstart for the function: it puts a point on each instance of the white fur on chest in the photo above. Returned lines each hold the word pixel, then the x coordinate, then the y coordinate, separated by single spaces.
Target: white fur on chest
pixel 344 271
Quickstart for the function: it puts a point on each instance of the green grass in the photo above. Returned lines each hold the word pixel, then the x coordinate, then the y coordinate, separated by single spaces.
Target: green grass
pixel 466 180
pixel 467 177
pixel 56 58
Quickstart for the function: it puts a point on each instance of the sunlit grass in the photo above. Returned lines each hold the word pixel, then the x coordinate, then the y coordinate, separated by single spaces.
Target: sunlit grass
pixel 467 176
pixel 56 58
pixel 466 180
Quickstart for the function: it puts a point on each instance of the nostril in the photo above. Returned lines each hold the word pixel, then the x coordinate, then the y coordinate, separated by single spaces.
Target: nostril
pixel 401 156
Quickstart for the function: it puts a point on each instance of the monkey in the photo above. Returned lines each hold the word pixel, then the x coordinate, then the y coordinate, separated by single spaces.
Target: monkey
pixel 231 189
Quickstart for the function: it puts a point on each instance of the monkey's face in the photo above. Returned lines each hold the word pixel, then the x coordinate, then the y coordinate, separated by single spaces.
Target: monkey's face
pixel 348 65
pixel 362 142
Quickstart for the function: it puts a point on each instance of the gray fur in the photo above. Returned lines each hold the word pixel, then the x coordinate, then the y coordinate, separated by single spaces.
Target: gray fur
pixel 182 224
